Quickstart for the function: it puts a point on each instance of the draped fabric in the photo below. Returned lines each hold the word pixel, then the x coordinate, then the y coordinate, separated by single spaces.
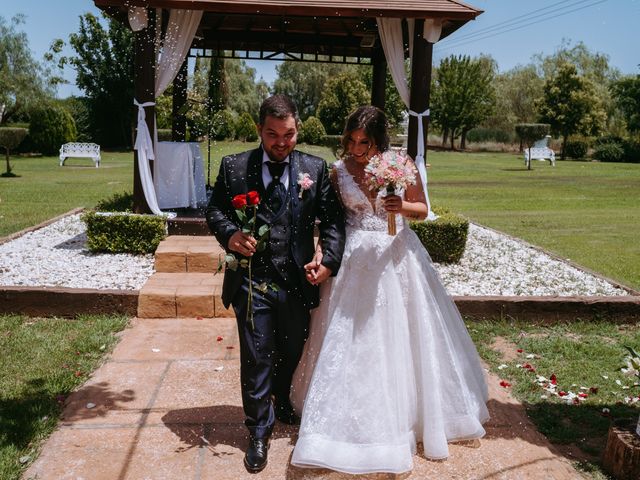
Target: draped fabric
pixel 174 48
pixel 390 30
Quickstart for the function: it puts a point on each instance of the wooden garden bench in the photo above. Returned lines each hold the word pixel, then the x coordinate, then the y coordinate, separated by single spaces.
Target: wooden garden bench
pixel 85 150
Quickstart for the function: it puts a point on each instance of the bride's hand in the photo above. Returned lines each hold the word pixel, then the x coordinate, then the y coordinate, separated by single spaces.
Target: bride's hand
pixel 392 203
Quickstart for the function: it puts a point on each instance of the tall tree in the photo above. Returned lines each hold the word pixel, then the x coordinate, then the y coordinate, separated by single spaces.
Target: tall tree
pixel 341 95
pixel 104 67
pixel 23 81
pixel 304 82
pixel 462 95
pixel 594 66
pixel 570 105
pixel 626 92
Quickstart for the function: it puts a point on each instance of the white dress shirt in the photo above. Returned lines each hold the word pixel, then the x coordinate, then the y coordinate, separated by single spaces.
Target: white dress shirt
pixel 266 175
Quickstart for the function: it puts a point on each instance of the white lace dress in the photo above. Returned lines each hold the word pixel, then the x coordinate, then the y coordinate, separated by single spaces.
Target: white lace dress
pixel 389 361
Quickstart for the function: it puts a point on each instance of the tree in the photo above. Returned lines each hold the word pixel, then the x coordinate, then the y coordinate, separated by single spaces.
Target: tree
pixel 517 91
pixel 626 93
pixel 23 82
pixel 11 138
pixel 341 95
pixel 245 94
pixel 104 68
pixel 462 95
pixel 593 66
pixel 570 105
pixel 304 82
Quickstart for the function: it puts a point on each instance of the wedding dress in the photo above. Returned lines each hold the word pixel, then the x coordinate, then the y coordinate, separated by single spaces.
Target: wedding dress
pixel 388 362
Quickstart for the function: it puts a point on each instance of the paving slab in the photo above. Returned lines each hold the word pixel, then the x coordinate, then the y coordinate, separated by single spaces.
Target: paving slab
pixel 168 406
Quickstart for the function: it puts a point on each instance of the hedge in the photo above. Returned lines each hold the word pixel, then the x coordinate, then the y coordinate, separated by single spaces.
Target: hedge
pixel 124 232
pixel 445 238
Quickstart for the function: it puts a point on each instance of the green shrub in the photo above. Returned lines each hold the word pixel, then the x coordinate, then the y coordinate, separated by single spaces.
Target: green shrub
pixel 576 149
pixel 445 238
pixel 10 138
pixel 124 232
pixel 480 135
pixel 246 128
pixel 312 131
pixel 164 135
pixel 609 152
pixel 223 125
pixel 631 151
pixel 118 202
pixel 50 127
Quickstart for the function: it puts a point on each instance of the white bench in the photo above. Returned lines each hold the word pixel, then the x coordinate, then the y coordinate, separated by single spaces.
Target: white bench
pixel 540 151
pixel 85 150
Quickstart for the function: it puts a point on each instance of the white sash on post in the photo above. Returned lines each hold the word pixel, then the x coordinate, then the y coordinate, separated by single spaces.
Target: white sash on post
pixel 144 146
pixel 420 163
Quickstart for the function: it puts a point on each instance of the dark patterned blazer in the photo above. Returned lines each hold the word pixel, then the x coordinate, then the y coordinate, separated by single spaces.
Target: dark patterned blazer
pixel 242 173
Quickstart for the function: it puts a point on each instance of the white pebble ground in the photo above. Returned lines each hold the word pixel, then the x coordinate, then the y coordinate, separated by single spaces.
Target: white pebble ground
pixel 493 264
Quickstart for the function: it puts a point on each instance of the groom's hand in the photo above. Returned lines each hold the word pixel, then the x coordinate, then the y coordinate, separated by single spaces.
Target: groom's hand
pixel 242 243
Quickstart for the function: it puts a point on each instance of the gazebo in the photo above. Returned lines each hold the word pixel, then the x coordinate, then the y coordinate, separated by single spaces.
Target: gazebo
pixel 382 33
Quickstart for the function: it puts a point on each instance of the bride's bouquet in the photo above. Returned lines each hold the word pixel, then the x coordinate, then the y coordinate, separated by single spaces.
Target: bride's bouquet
pixel 390 171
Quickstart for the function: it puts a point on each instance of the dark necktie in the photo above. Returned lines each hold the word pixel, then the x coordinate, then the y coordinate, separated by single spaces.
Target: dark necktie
pixel 276 191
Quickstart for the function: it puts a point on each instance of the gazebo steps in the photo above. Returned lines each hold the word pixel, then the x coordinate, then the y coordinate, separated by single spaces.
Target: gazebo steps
pixel 184 284
pixel 182 295
pixel 186 253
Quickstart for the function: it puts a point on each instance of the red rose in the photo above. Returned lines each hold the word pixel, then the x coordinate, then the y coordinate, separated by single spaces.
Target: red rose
pixel 239 201
pixel 253 197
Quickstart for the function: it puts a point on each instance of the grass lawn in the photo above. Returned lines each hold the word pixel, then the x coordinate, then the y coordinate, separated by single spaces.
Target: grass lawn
pixel 580 354
pixel 42 361
pixel 584 211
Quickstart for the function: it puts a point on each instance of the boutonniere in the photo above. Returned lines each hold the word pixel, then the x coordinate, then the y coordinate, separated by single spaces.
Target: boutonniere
pixel 305 182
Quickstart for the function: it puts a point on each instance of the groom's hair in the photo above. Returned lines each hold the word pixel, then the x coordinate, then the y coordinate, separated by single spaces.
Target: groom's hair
pixel 278 106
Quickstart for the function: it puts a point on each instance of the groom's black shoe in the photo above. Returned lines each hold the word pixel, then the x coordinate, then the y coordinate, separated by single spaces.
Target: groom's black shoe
pixel 256 457
pixel 285 414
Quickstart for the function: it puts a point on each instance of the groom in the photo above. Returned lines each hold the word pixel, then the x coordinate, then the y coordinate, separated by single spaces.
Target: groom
pixel 294 190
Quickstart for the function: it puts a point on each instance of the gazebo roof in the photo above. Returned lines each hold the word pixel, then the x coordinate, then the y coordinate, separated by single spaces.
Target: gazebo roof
pixel 299 29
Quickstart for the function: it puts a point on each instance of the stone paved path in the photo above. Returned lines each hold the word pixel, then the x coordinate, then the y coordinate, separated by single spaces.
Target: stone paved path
pixel 168 406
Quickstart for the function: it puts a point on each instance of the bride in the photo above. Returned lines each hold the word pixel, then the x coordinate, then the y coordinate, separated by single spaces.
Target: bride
pixel 389 362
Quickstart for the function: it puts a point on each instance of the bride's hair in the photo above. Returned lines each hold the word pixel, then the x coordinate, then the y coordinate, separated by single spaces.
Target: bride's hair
pixel 374 123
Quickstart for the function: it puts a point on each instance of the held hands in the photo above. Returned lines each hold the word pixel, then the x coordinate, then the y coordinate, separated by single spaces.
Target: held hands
pixel 242 243
pixel 316 273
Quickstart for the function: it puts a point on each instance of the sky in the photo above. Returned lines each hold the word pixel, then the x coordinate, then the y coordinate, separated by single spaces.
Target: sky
pixel 511 31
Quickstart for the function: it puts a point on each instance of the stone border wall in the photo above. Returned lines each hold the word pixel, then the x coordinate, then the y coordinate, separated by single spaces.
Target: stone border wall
pixel 69 302
pixel 66 302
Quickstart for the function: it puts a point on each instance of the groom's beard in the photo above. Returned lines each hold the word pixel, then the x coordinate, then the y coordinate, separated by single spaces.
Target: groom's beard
pixel 278 154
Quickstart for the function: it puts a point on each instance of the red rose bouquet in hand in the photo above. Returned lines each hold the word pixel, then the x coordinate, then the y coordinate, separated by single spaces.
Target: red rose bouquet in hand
pixel 390 171
pixel 246 208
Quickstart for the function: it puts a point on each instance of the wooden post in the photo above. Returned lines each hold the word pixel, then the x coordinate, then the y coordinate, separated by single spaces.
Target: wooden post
pixel 144 88
pixel 179 115
pixel 420 87
pixel 621 456
pixel 379 78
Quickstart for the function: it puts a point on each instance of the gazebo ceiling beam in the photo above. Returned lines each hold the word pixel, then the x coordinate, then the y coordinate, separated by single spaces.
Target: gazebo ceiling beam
pixel 372 9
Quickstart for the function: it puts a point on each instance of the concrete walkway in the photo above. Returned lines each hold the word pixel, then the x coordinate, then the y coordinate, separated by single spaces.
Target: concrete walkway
pixel 168 406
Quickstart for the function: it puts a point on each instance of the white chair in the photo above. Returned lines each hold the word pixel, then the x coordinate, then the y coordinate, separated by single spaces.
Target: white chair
pixel 83 150
pixel 540 151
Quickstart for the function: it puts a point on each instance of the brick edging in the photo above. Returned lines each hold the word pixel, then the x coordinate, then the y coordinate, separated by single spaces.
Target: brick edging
pixel 66 302
pixel 69 302
pixel 620 309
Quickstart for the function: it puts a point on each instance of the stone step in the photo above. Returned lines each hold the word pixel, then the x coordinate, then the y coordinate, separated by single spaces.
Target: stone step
pixel 184 253
pixel 184 294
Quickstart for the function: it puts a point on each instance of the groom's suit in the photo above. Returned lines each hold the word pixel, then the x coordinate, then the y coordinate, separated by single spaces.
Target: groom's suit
pixel 271 348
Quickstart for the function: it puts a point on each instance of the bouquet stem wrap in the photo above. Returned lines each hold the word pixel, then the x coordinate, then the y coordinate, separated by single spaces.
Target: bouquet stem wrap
pixel 391 217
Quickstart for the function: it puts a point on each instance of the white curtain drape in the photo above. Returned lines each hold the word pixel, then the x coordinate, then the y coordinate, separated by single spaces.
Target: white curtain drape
pixel 390 30
pixel 175 46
